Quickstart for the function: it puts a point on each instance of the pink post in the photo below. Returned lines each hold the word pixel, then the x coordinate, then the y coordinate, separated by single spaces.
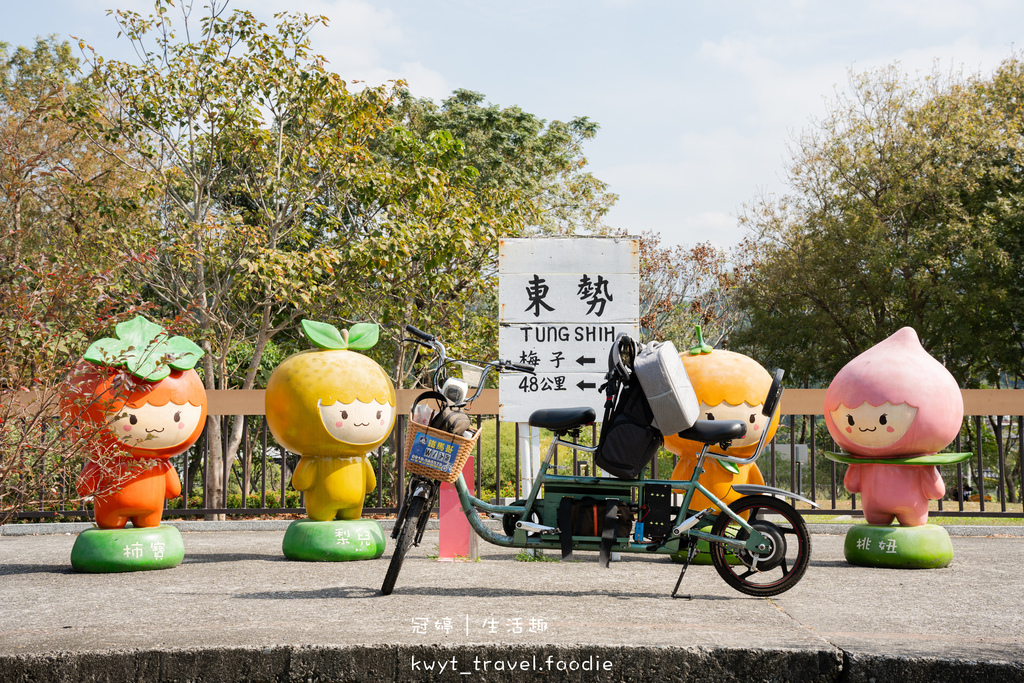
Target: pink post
pixel 457 539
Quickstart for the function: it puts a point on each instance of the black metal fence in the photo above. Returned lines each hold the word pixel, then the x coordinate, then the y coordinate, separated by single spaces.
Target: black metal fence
pixel 257 478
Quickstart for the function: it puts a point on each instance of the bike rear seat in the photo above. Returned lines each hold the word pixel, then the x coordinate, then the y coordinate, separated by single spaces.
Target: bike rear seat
pixel 715 431
pixel 562 419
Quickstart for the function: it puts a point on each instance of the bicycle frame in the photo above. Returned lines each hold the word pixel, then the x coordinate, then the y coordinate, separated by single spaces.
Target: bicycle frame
pixel 471 505
pixel 759 535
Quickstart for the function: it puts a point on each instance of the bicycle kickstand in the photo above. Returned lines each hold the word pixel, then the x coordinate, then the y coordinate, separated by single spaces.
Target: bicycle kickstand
pixel 691 550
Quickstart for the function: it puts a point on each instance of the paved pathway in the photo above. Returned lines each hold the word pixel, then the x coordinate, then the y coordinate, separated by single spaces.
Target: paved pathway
pixel 237 610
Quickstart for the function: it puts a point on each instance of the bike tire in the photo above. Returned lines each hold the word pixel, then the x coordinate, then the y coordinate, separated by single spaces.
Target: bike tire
pixel 405 539
pixel 791 547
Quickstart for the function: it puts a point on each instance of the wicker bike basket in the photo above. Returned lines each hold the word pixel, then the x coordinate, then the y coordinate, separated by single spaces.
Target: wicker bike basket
pixel 437 454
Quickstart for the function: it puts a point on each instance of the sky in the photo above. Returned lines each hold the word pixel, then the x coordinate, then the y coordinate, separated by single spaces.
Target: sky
pixel 698 103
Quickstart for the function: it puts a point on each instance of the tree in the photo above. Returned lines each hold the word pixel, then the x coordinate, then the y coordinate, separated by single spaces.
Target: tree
pixel 241 129
pixel 681 287
pixel 526 167
pixel 61 283
pixel 519 175
pixel 888 224
pixel 283 194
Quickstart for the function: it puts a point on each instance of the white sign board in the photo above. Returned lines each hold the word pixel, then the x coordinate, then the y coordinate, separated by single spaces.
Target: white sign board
pixel 562 302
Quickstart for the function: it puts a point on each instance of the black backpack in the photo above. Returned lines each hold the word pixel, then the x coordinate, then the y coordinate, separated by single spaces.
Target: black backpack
pixel 629 440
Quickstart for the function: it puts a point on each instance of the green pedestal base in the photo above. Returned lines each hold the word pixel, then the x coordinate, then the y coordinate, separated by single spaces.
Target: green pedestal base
pixel 101 551
pixel 898 547
pixel 333 541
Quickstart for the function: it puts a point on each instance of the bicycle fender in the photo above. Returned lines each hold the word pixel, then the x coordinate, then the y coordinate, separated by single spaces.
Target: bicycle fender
pixel 753 489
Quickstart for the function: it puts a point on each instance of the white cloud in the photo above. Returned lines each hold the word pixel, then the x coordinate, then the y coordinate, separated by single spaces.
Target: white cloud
pixel 932 15
pixel 707 180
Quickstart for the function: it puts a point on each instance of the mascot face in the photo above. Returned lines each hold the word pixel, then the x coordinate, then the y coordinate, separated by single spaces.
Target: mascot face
pixel 729 386
pixel 156 427
pixel 869 426
pixel 894 400
pixel 357 422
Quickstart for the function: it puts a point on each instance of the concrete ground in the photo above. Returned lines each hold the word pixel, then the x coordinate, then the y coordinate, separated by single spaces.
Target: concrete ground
pixel 237 610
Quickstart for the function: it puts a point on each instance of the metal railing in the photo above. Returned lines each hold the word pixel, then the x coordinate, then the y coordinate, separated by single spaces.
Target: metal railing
pixel 989 484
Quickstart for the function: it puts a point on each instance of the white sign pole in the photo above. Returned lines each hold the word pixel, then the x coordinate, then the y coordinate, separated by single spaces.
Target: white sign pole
pixel 529 456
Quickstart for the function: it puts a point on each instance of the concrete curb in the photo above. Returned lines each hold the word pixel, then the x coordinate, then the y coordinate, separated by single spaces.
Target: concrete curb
pixel 61 528
pixel 492 663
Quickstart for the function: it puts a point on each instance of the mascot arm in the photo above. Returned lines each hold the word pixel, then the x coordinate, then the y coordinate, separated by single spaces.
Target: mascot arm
pixel 88 479
pixel 304 474
pixel 370 476
pixel 932 484
pixel 852 479
pixel 172 482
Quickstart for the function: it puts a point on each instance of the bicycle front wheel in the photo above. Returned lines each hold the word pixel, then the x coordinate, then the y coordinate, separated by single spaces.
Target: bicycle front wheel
pixel 405 539
pixel 777 569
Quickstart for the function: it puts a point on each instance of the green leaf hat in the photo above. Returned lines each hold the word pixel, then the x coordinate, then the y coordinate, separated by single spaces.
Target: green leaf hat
pixel 145 350
pixel 327 337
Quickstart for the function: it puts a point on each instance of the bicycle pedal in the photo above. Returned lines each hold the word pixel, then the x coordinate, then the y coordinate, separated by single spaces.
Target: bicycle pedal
pixel 496 515
pixel 533 527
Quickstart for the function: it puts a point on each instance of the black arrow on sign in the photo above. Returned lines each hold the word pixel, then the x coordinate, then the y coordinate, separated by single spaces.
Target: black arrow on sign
pixel 586 385
pixel 583 360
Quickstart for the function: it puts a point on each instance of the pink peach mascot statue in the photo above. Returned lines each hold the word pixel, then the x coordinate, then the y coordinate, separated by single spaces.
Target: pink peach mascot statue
pixel 892 409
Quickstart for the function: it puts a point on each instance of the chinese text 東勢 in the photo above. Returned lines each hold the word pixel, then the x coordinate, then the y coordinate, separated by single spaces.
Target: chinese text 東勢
pixel 593 292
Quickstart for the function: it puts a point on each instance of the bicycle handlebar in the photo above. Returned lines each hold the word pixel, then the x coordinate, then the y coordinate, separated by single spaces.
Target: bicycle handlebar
pixel 419 333
pixel 431 342
pixel 521 368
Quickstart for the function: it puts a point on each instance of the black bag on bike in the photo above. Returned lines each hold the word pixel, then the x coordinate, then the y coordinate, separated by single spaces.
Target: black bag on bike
pixel 587 517
pixel 629 440
pixel 610 519
pixel 447 419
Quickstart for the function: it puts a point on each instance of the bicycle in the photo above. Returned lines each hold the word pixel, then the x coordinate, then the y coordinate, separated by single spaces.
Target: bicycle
pixel 423 489
pixel 759 544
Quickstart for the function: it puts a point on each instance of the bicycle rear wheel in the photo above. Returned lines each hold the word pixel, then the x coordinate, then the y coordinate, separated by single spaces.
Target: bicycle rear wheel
pixel 772 572
pixel 405 538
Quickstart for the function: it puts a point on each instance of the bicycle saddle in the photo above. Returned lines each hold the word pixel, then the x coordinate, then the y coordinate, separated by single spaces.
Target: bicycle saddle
pixel 563 419
pixel 715 431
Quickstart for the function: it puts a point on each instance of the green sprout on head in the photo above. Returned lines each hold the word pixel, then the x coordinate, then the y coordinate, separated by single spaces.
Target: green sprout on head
pixel 144 349
pixel 700 347
pixel 327 337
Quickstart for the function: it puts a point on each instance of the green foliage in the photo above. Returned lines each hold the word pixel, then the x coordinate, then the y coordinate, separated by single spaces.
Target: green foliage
pixel 903 211
pixel 523 167
pixel 61 280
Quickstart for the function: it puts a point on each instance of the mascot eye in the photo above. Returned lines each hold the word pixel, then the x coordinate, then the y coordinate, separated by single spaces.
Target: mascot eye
pixel 344 415
pixel 379 413
pixel 711 416
pixel 177 416
pixel 133 419
pixel 753 418
pixel 849 420
pixel 882 420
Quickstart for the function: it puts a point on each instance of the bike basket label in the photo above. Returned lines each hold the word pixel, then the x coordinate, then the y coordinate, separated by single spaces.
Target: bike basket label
pixel 434 453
